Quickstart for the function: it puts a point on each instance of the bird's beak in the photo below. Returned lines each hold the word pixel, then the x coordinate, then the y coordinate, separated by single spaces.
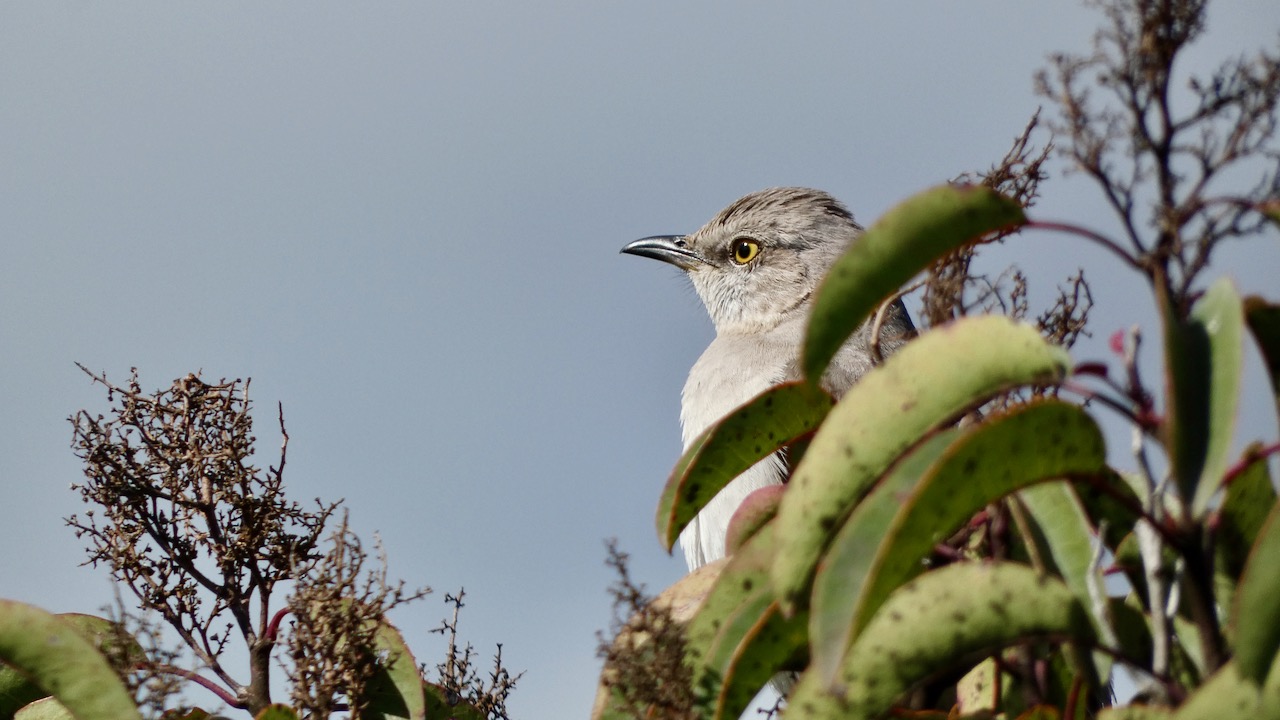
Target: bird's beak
pixel 667 248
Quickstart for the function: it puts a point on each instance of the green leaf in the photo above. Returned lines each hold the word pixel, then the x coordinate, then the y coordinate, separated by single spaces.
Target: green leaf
pixel 1032 443
pixel 188 714
pixel 1256 614
pixel 395 690
pixel 715 671
pixel 1041 712
pixel 277 712
pixel 61 661
pixel 1271 209
pixel 1248 499
pixel 1132 631
pixel 842 575
pixel 16 691
pixel 756 510
pixel 738 639
pixel 937 622
pixel 1114 517
pixel 121 651
pixel 1226 695
pixel 1221 313
pixel 926 383
pixel 1068 533
pixel 46 709
pixel 1134 712
pixel 756 430
pixel 910 237
pixel 764 650
pixel 725 616
pixel 1203 354
pixel 442 704
pixel 1264 322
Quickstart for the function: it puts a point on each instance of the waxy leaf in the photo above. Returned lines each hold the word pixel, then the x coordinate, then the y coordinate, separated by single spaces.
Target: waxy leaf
pixel 756 510
pixel 763 651
pixel 720 622
pixel 738 639
pixel 446 705
pixel 63 662
pixel 1221 313
pixel 1068 534
pixel 1228 694
pixel 1271 209
pixel 842 573
pixel 1264 323
pixel 1256 614
pixel 1203 354
pixel 937 622
pixel 753 432
pixel 928 382
pixel 395 690
pixel 909 238
pixel 1030 444
pixel 46 709
pixel 16 691
pixel 1248 500
pixel 1134 712
pixel 277 712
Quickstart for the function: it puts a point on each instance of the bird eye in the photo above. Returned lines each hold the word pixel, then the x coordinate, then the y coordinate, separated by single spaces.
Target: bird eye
pixel 745 250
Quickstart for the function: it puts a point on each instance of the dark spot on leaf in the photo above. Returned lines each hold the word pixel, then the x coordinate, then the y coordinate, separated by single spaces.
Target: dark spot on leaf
pixel 747 584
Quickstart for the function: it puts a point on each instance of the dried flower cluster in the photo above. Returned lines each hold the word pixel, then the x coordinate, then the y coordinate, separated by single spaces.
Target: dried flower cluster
pixel 186 521
pixel 1168 175
pixel 337 614
pixel 202 538
pixel 458 677
pixel 644 657
pixel 951 290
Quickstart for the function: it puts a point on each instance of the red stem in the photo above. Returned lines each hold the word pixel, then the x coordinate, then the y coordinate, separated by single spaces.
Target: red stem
pixel 1250 458
pixel 223 694
pixel 273 627
pixel 1087 234
pixel 1073 699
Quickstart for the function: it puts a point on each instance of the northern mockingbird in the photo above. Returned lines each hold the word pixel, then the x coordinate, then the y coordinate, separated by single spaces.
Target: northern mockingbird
pixel 756 266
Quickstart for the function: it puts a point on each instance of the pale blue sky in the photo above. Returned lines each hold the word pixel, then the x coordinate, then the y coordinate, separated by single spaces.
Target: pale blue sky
pixel 402 220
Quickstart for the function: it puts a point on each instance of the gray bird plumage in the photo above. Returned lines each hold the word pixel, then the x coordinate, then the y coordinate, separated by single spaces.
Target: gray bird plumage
pixel 755 266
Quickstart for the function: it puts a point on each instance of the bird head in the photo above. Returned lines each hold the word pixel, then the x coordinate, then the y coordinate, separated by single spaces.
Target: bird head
pixel 758 262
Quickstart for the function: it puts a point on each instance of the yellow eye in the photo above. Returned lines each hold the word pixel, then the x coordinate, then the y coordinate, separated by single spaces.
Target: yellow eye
pixel 745 250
